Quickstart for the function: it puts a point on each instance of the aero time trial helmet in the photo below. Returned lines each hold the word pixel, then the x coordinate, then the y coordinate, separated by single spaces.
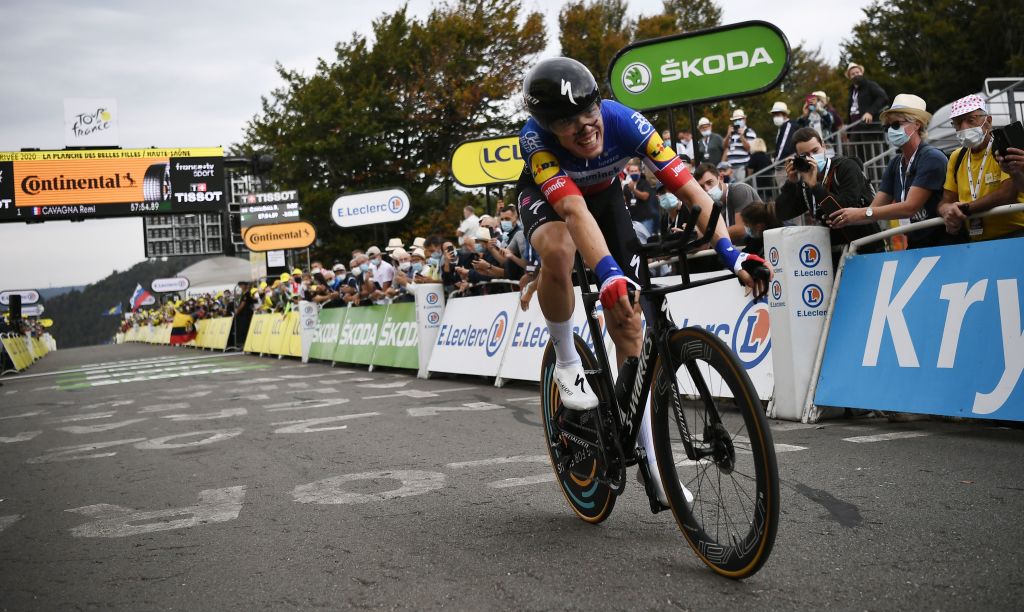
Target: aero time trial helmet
pixel 558 88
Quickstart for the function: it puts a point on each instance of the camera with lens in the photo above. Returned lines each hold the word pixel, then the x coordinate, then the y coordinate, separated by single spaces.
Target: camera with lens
pixel 737 125
pixel 803 163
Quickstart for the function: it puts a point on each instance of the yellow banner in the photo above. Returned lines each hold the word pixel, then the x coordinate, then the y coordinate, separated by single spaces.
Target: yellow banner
pixel 111 154
pixel 494 161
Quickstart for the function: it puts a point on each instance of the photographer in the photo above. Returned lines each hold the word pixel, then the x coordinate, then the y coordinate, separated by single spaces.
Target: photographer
pixel 911 186
pixel 812 178
pixel 737 139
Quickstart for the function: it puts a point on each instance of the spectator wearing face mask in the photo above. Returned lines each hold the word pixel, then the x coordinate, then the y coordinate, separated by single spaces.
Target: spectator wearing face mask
pixel 382 273
pixel 758 217
pixel 911 187
pixel 867 98
pixel 786 128
pixel 711 147
pixel 513 243
pixel 974 181
pixel 816 116
pixel 684 144
pixel 737 142
pixel 485 266
pixel 421 272
pixel 733 197
pixel 639 197
pixel 673 218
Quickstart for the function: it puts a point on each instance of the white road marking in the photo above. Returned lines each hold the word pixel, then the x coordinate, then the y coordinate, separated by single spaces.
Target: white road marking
pixel 72 453
pixel 330 490
pixel 215 506
pixel 22 437
pixel 26 414
pixel 298 385
pixel 521 482
pixel 227 413
pixel 89 429
pixel 499 461
pixel 530 399
pixel 391 385
pixel 304 376
pixel 259 397
pixel 108 404
pixel 417 394
pixel 796 426
pixel 306 404
pixel 197 394
pixel 7 521
pixel 165 407
pixel 133 364
pixel 85 417
pixel 310 425
pixel 896 435
pixel 212 437
pixel 435 410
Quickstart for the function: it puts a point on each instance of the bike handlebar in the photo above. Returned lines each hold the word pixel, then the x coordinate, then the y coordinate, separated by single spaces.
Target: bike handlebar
pixel 683 242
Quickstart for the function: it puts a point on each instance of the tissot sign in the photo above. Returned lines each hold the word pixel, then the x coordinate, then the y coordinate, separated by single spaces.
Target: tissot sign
pixel 488 161
pixel 734 60
pixel 370 207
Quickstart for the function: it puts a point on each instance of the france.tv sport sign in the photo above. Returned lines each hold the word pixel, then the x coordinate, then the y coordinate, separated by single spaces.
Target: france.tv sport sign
pixel 487 161
pixel 371 207
pixel 735 60
pixel 935 331
pixel 45 185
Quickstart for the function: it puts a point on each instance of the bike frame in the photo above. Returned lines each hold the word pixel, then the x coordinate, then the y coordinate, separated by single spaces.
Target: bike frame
pixel 654 305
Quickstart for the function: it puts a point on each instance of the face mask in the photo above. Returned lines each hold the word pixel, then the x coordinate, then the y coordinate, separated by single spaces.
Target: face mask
pixel 857 80
pixel 435 258
pixel 716 193
pixel 404 266
pixel 363 267
pixel 668 201
pixel 748 232
pixel 375 262
pixel 417 267
pixel 635 177
pixel 742 123
pixel 971 137
pixel 820 159
pixel 706 132
pixel 506 226
pixel 896 137
pixel 778 121
pixel 479 248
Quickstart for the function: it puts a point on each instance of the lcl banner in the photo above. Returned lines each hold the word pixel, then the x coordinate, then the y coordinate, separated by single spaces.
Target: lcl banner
pixel 487 161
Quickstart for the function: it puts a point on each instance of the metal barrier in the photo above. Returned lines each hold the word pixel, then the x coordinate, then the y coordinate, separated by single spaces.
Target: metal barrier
pixel 513 284
pixel 810 411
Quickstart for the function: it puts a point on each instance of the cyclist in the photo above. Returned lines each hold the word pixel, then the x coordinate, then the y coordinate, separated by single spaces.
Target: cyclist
pixel 574 145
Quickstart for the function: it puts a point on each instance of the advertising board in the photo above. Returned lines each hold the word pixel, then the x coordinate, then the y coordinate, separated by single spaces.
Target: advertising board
pixel 371 207
pixel 169 285
pixel 45 185
pixel 487 161
pixel 294 235
pixel 267 208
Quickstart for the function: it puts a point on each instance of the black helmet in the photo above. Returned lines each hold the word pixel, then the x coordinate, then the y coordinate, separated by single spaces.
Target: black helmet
pixel 558 88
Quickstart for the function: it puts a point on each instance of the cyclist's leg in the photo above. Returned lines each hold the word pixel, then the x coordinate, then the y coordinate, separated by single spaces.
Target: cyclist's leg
pixel 548 234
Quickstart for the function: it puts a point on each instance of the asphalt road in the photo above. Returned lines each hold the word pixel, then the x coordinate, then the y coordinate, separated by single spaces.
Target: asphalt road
pixel 138 477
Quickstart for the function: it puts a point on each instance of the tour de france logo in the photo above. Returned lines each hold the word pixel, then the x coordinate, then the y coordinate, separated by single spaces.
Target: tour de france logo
pixel 395 204
pixel 636 77
pixel 773 256
pixel 809 255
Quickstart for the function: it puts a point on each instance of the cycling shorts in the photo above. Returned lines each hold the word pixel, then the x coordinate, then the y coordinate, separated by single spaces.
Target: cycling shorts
pixel 608 208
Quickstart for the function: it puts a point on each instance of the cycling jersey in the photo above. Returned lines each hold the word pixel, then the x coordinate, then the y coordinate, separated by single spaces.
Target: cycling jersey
pixel 627 134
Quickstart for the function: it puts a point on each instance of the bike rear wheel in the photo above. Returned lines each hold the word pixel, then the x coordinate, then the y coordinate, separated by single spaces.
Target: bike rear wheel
pixel 589 497
pixel 730 469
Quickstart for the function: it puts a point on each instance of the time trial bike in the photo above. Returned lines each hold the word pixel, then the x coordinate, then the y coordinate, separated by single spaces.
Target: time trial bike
pixel 711 438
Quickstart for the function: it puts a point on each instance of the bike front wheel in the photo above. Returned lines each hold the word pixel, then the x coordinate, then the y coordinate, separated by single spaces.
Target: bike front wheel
pixel 711 437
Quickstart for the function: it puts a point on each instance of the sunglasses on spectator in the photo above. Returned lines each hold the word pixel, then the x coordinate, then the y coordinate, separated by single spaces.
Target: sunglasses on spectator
pixel 895 125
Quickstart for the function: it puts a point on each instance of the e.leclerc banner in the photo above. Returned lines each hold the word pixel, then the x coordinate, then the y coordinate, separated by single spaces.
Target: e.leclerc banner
pixel 371 207
pixel 935 331
pixel 487 161
pixel 735 60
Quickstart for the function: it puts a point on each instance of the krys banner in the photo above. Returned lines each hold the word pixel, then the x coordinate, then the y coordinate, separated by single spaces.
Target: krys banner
pixel 735 60
pixel 487 161
pixel 44 185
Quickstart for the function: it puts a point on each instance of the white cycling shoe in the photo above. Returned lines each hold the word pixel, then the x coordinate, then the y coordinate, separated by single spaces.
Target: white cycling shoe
pixel 574 387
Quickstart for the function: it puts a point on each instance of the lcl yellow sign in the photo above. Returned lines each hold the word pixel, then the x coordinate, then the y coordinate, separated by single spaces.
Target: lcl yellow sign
pixel 295 235
pixel 490 161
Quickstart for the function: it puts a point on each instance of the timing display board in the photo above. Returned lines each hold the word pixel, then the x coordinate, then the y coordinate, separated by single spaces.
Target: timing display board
pixel 267 208
pixel 53 185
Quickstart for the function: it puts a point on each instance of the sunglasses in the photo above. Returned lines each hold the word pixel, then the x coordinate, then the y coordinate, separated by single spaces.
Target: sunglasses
pixel 895 125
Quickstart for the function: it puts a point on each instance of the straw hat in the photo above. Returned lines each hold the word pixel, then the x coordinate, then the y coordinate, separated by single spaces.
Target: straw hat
pixel 394 243
pixel 909 105
pixel 779 107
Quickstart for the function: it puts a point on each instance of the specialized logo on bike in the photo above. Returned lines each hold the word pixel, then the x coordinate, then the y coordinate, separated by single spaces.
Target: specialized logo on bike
pixel 810 257
pixel 751 338
pixel 496 333
pixel 773 256
pixel 812 296
pixel 636 77
pixel 580 383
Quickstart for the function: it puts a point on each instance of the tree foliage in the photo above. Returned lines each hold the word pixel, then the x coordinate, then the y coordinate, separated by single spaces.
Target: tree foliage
pixel 388 109
pixel 592 32
pixel 940 50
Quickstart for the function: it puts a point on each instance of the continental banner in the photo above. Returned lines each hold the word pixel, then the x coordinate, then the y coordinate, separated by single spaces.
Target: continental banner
pixel 328 330
pixel 45 185
pixel 398 341
pixel 358 337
